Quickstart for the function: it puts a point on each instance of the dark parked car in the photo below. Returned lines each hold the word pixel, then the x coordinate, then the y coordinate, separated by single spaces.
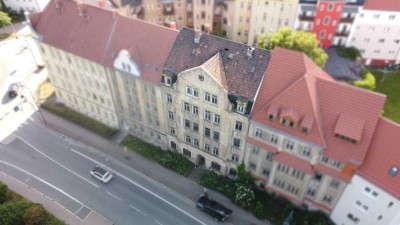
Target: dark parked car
pixel 13 90
pixel 213 208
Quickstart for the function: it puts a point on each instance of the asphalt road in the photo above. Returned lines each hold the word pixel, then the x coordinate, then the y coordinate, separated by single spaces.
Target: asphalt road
pixel 60 169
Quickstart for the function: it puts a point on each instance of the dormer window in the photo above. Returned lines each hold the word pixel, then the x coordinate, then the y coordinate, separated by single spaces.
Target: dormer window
pixel 344 138
pixel 291 124
pixel 271 117
pixel 283 121
pixel 304 130
pixel 167 81
pixel 393 171
pixel 240 109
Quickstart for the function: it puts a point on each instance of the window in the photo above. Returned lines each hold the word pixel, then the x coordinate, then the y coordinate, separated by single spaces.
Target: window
pixel 327 199
pixel 187 152
pixel 390 205
pixel 282 121
pixel 217 119
pixel 206 147
pixel 187 123
pixel 195 110
pixel 318 176
pixel 172 130
pixel 255 150
pixel 214 99
pixel 236 142
pixel 335 183
pixel 265 172
pixel 306 151
pixel 207 132
pixel 393 171
pixel 268 156
pixel 381 40
pixel 170 115
pixel 216 136
pixel 195 92
pixel 372 194
pixel 238 126
pixel 188 90
pixel 203 15
pixel 379 218
pixel 258 133
pixel 376 16
pixel 326 20
pixel 195 127
pixel 196 142
pixel 234 158
pixel 353 218
pixel 215 151
pixel 215 166
pixel 304 130
pixel 186 107
pixel 207 115
pixel 362 207
pixel 322 34
pixel 207 97
pixel 392 17
pixel 324 159
pixel 271 117
pixel 330 6
pixel 241 108
pixel 201 77
pixel 252 166
pixel 310 192
pixel 289 145
pixel 187 139
pixel 274 139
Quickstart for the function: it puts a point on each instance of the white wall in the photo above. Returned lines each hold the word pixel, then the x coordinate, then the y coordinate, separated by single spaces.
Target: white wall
pixel 371 28
pixel 26 5
pixel 369 209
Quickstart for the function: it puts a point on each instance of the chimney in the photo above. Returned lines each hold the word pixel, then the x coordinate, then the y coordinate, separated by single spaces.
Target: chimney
pixel 197 35
pixel 59 4
pixel 82 10
pixel 249 52
pixel 114 14
pixel 172 25
pixel 102 3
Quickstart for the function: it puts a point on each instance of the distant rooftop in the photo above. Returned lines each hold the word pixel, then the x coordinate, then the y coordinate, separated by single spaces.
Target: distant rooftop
pixel 341 68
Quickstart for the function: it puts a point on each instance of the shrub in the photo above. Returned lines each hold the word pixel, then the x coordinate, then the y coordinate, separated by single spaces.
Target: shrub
pixel 244 176
pixel 350 53
pixel 3 193
pixel 368 82
pixel 35 215
pixel 80 119
pixel 219 183
pixel 12 213
pixel 244 196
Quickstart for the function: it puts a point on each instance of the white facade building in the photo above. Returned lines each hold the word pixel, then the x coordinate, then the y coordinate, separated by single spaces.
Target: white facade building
pixel 26 5
pixel 365 203
pixel 376 33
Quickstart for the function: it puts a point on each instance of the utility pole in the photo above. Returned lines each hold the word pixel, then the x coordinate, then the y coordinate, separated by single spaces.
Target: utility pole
pixel 34 105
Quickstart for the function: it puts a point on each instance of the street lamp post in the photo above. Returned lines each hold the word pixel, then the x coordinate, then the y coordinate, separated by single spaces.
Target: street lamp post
pixel 34 105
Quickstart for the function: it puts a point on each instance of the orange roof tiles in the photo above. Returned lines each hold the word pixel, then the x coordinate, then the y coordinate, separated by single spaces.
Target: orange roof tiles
pixel 384 5
pixel 332 172
pixel 100 34
pixel 293 161
pixel 215 67
pixel 261 144
pixel 291 113
pixel 383 154
pixel 350 126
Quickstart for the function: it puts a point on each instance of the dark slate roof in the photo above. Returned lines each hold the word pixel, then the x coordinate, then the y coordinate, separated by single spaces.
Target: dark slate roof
pixel 341 68
pixel 243 75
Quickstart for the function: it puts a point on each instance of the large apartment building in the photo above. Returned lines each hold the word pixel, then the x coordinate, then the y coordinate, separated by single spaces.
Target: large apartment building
pixel 29 6
pixel 376 32
pixel 218 102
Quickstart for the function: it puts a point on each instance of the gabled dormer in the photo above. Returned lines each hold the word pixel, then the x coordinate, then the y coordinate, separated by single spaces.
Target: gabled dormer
pixel 289 117
pixel 125 62
pixel 349 128
pixel 168 78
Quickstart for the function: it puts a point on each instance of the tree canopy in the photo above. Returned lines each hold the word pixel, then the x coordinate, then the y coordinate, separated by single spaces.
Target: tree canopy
pixel 4 19
pixel 297 40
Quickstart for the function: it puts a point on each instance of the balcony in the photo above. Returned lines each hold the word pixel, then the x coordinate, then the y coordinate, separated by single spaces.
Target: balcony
pixel 168 8
pixel 347 20
pixel 342 33
pixel 306 17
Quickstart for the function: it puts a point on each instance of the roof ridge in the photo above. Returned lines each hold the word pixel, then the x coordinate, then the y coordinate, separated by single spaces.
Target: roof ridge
pixel 218 58
pixel 109 40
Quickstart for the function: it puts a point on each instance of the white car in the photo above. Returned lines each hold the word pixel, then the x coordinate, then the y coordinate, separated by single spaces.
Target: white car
pixel 101 174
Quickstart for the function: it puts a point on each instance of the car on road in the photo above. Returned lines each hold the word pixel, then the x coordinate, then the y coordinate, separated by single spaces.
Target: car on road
pixel 101 174
pixel 13 90
pixel 213 208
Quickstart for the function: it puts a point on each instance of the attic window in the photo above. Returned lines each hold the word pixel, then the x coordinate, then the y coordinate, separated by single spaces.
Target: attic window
pixel 271 117
pixel 156 69
pixel 344 138
pixel 167 80
pixel 201 77
pixel 283 121
pixel 393 171
pixel 241 108
pixel 304 130
pixel 147 65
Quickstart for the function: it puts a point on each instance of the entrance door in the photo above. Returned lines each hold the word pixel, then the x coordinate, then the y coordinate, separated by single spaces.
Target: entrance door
pixel 200 161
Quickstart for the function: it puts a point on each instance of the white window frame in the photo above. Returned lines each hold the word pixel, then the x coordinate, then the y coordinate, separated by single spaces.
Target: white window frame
pixel 195 110
pixel 217 119
pixel 186 107
pixel 214 99
pixel 189 90
pixel 215 151
pixel 207 115
pixel 207 97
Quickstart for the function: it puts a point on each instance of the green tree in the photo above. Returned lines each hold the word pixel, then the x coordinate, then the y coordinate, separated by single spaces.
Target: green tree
pixel 4 19
pixel 369 81
pixel 244 176
pixel 35 215
pixel 3 193
pixel 3 6
pixel 13 213
pixel 244 195
pixel 219 30
pixel 297 40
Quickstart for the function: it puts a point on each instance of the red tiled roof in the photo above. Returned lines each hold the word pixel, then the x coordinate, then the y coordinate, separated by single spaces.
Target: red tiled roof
pixel 384 5
pixel 261 144
pixel 215 67
pixel 307 122
pixel 337 98
pixel 293 161
pixel 332 172
pixel 291 113
pixel 350 126
pixel 101 34
pixel 273 109
pixel 383 154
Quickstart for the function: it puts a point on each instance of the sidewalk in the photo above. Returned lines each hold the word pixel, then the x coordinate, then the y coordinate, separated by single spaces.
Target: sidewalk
pixel 187 187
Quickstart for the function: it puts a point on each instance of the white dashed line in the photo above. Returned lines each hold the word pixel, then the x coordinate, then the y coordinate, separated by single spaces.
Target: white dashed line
pixel 136 209
pixel 113 195
pixel 158 222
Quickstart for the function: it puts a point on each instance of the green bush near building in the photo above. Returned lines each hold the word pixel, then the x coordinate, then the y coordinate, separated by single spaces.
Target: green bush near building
pixel 80 119
pixel 171 160
pixel 368 82
pixel 264 205
pixel 351 53
pixel 390 86
pixel 16 210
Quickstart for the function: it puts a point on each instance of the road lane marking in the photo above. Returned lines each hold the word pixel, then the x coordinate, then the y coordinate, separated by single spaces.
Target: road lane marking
pixel 43 181
pixel 140 186
pixel 136 209
pixel 113 195
pixel 90 182
pixel 158 222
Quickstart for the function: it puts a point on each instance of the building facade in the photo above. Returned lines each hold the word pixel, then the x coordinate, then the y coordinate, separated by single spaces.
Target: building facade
pixel 376 32
pixel 29 6
pixel 329 20
pixel 270 16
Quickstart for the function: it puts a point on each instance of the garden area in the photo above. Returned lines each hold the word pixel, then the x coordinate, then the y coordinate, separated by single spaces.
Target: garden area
pixel 80 119
pixel 263 205
pixel 171 160
pixel 15 210
pixel 390 86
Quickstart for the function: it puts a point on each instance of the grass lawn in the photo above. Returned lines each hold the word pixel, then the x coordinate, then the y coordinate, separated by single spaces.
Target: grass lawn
pixel 390 87
pixel 171 160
